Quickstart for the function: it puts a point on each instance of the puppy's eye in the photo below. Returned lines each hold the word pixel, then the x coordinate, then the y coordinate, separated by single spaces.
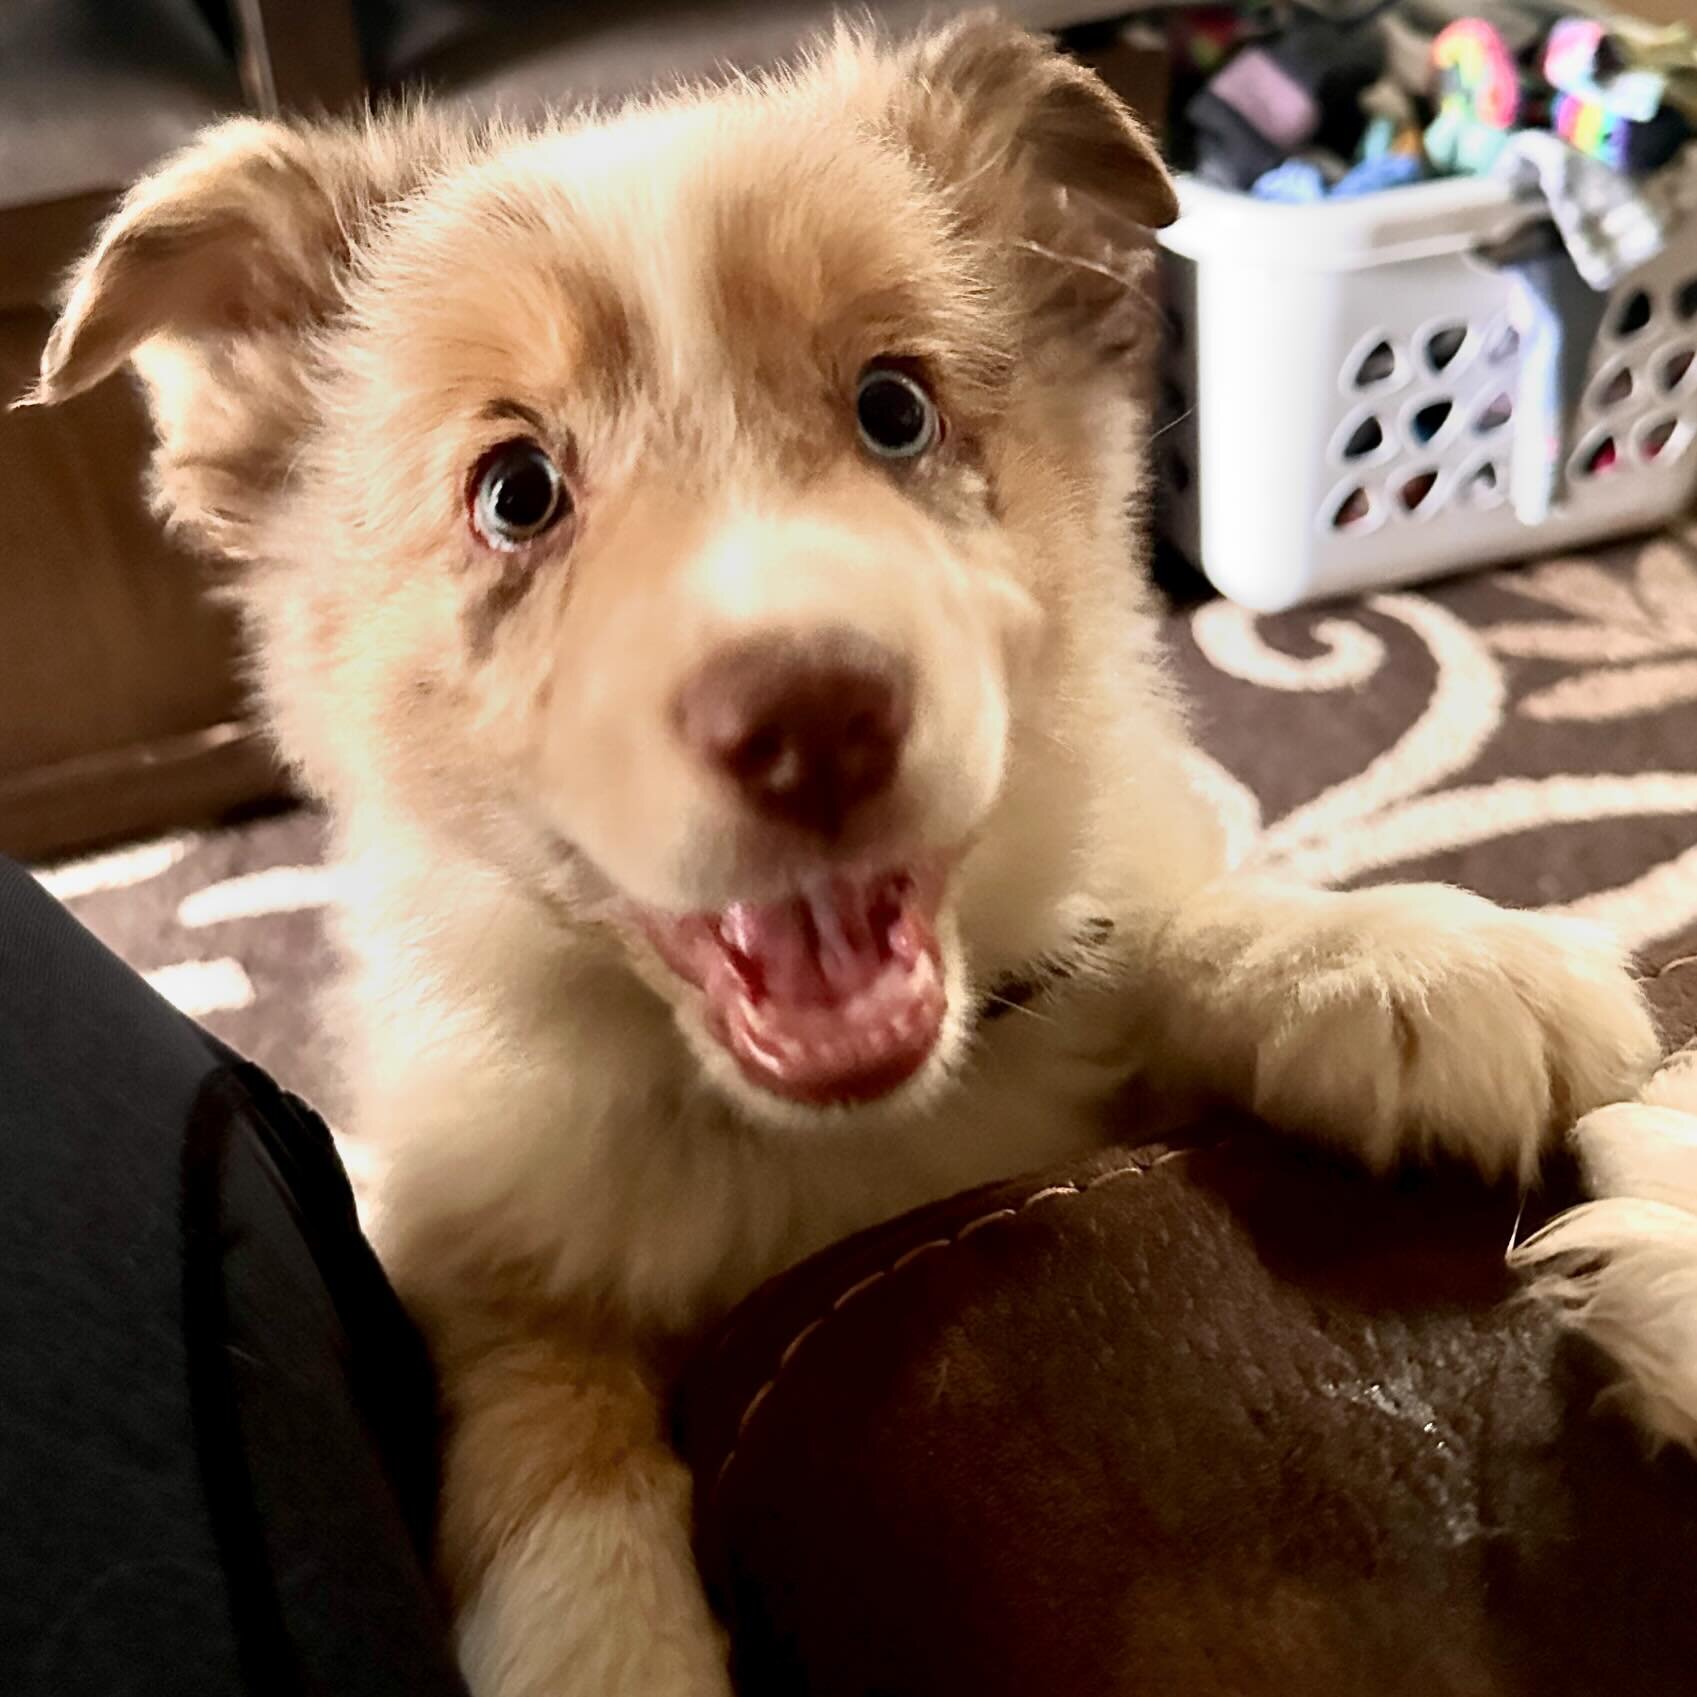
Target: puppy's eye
pixel 516 494
pixel 897 417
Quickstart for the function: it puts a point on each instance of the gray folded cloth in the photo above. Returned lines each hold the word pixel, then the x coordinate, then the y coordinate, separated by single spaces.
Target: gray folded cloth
pixel 1611 223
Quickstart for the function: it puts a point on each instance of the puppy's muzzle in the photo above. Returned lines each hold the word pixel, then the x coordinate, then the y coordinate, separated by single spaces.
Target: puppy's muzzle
pixel 810 728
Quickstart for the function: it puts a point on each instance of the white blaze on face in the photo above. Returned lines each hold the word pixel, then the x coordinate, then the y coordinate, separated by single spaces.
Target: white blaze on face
pixel 857 556
pixel 670 591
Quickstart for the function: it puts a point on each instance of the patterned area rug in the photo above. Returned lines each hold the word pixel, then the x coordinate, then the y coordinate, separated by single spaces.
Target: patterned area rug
pixel 1529 733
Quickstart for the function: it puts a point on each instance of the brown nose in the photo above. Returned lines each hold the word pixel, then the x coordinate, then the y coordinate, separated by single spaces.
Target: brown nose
pixel 809 728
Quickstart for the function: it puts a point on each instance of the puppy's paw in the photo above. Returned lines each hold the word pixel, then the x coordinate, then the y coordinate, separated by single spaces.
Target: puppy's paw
pixel 1622 1268
pixel 1422 1019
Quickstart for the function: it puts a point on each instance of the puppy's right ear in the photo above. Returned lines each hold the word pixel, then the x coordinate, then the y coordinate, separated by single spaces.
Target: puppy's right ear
pixel 210 277
pixel 242 231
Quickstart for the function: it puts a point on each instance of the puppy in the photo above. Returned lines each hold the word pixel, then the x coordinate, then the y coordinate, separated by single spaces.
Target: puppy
pixel 688 552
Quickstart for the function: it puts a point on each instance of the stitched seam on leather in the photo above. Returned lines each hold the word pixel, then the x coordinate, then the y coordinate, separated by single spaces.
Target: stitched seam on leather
pixel 906 1258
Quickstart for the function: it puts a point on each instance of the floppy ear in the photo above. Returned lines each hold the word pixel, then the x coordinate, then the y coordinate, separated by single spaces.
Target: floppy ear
pixel 235 234
pixel 1046 167
pixel 992 101
pixel 209 276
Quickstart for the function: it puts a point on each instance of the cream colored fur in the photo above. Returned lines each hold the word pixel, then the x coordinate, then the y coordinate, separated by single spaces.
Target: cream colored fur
pixel 333 324
pixel 1622 1268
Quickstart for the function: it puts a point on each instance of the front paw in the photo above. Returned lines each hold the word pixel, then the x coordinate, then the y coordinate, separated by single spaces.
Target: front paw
pixel 1421 1019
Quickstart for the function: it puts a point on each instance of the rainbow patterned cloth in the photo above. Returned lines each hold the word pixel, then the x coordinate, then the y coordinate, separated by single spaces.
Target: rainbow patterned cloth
pixel 1621 90
pixel 1479 94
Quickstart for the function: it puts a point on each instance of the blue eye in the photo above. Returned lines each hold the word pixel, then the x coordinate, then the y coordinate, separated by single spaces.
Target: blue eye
pixel 897 417
pixel 516 494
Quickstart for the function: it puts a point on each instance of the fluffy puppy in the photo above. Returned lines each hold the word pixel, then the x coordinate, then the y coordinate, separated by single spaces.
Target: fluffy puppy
pixel 688 552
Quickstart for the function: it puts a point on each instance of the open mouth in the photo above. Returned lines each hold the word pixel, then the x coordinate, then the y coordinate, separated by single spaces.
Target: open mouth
pixel 834 994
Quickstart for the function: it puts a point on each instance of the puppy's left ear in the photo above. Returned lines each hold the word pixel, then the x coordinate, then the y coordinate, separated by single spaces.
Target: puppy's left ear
pixel 991 106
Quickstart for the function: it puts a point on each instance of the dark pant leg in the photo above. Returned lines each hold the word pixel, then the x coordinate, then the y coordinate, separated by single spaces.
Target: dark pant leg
pixel 217 1429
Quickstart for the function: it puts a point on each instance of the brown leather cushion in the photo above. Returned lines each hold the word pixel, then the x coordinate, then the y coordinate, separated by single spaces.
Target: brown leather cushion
pixel 1229 1418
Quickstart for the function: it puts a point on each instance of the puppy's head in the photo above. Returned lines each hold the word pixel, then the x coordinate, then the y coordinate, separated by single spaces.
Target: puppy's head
pixel 682 514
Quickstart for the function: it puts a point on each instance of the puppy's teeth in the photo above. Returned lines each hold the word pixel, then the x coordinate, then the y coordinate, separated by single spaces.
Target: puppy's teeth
pixel 767 1051
pixel 736 925
pixel 827 919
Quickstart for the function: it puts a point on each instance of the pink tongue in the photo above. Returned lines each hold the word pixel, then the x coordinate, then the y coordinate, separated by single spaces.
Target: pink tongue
pixel 834 995
pixel 815 950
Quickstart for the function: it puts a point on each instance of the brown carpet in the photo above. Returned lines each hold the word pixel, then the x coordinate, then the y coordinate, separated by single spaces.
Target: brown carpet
pixel 1530 733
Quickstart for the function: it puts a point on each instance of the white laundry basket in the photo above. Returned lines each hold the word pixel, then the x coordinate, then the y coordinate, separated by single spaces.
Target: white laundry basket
pixel 1339 388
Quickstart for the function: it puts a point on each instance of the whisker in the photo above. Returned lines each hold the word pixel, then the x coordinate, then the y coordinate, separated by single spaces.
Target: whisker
pixel 1514 1230
pixel 1019 1007
pixel 1171 424
pixel 1076 262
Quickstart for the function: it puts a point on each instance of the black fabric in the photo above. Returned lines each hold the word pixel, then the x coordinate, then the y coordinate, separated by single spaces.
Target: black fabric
pixel 217 1451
